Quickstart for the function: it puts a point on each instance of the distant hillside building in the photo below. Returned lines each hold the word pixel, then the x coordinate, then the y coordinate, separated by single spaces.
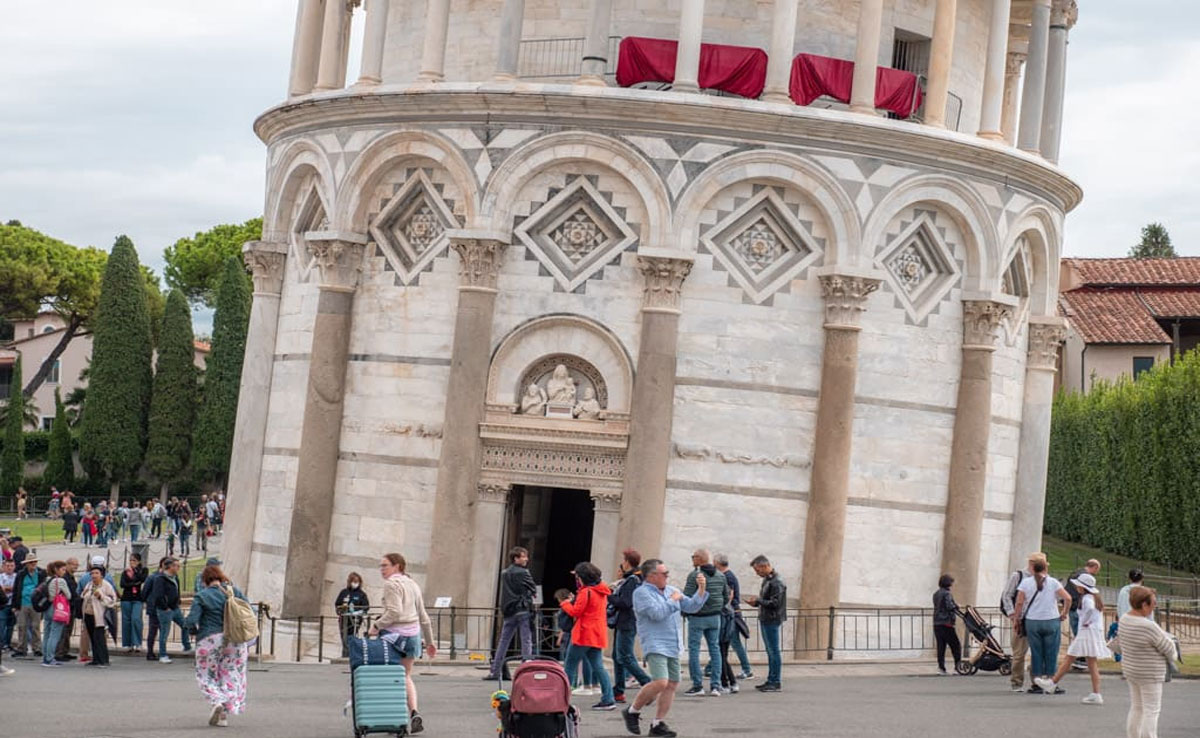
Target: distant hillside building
pixel 1126 315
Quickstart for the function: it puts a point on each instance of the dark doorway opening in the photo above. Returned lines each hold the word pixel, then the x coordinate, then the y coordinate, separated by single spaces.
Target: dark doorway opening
pixel 556 526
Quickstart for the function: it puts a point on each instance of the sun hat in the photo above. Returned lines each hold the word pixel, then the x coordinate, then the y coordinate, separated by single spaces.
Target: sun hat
pixel 31 558
pixel 1086 581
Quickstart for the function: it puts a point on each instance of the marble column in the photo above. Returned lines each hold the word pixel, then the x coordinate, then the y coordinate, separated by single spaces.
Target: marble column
pixel 941 57
pixel 337 259
pixel 330 67
pixel 374 40
pixel 433 51
pixel 783 44
pixel 306 47
pixel 687 57
pixel 992 107
pixel 969 447
pixel 1062 17
pixel 1033 92
pixel 1012 80
pixel 449 572
pixel 606 521
pixel 595 48
pixel 486 547
pixel 266 261
pixel 1046 334
pixel 653 404
pixel 512 20
pixel 866 57
pixel 829 488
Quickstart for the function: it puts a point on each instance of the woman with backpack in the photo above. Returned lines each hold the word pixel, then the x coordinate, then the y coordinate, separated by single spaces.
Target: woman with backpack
pixel 220 663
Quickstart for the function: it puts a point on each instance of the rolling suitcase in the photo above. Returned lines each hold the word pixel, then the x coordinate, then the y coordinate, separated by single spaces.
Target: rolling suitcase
pixel 380 700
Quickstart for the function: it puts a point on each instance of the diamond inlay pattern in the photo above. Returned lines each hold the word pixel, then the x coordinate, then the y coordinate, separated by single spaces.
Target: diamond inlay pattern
pixel 758 246
pixel 920 265
pixel 410 228
pixel 910 268
pixel 578 235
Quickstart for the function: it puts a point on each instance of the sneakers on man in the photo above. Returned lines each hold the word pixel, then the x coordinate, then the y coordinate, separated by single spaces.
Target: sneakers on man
pixel 1017 689
pixel 716 691
pixel 582 691
pixel 1045 683
pixel 769 687
pixel 1093 699
pixel 164 659
pixel 632 721
pixel 619 698
pixel 733 689
pixel 661 729
pixel 694 692
pixel 745 676
pixel 605 706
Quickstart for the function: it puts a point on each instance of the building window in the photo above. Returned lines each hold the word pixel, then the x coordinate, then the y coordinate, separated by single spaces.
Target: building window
pixel 52 377
pixel 48 329
pixel 1142 364
pixel 47 422
pixel 910 52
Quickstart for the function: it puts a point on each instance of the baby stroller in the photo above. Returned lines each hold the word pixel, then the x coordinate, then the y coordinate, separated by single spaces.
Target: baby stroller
pixel 539 705
pixel 990 656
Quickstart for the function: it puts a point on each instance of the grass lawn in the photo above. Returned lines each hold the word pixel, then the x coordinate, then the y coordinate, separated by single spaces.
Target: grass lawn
pixel 1065 557
pixel 36 530
pixel 1190 666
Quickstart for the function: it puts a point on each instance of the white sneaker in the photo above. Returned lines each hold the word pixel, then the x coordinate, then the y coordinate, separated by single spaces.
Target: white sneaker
pixel 581 691
pixel 164 659
pixel 715 691
pixel 5 671
pixel 1093 699
pixel 1046 684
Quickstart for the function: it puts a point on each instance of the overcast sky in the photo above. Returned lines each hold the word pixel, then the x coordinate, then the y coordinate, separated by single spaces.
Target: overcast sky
pixel 134 116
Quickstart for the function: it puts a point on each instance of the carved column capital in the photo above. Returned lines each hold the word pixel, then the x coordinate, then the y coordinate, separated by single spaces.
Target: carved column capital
pixel 664 282
pixel 265 260
pixel 845 299
pixel 1013 63
pixel 606 501
pixel 493 492
pixel 480 265
pixel 337 258
pixel 1064 13
pixel 1044 340
pixel 981 323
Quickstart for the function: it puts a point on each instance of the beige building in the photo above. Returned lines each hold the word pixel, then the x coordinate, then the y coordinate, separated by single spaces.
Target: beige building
pixel 501 298
pixel 1126 315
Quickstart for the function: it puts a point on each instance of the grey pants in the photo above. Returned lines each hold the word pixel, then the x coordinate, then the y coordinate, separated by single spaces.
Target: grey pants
pixel 518 623
pixel 29 625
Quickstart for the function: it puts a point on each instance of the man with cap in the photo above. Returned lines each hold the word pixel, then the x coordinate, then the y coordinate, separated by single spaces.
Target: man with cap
pixel 20 551
pixel 29 622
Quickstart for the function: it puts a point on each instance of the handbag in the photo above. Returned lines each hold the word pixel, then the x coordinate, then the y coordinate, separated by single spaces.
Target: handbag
pixel 62 609
pixel 1019 628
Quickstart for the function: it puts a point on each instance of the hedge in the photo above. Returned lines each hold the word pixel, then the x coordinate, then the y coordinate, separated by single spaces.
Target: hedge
pixel 1124 470
pixel 37 444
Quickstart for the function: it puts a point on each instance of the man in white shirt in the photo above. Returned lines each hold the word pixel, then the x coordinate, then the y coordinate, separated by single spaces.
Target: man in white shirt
pixel 1135 580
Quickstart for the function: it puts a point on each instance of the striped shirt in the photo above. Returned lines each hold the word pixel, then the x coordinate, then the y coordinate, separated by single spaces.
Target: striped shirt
pixel 1144 648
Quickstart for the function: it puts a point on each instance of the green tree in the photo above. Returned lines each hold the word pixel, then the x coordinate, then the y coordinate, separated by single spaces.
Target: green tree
pixel 12 458
pixel 113 434
pixel 156 302
pixel 223 375
pixel 195 265
pixel 1155 244
pixel 173 405
pixel 60 466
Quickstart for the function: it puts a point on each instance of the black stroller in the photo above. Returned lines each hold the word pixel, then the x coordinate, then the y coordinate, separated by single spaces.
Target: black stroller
pixel 990 656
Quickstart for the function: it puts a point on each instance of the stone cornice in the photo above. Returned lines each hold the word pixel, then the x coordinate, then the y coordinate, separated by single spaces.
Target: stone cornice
pixel 646 112
pixel 265 259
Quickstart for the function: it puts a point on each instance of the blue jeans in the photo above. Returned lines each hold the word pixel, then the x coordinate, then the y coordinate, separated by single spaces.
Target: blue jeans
pixel 1044 639
pixel 587 668
pixel 165 618
pixel 740 649
pixel 133 531
pixel 709 628
pixel 517 624
pixel 593 657
pixel 131 624
pixel 1073 616
pixel 770 639
pixel 624 662
pixel 51 632
pixel 8 618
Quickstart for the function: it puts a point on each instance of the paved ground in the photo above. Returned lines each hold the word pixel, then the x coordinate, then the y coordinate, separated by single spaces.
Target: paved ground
pixel 297 701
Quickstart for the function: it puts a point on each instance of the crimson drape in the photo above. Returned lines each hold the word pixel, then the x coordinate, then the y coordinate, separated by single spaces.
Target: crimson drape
pixel 740 70
pixel 813 76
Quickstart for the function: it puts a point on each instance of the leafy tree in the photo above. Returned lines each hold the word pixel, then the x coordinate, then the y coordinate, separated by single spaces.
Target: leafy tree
pixel 156 302
pixel 76 398
pixel 173 405
pixel 1155 244
pixel 223 375
pixel 195 265
pixel 113 435
pixel 60 466
pixel 12 458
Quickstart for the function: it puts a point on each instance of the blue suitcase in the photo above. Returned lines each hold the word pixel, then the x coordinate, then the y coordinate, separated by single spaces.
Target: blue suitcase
pixel 380 700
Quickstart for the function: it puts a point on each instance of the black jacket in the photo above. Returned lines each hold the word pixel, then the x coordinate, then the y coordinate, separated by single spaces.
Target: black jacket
pixel 19 582
pixel 622 602
pixel 943 607
pixel 162 592
pixel 516 590
pixel 351 599
pixel 1076 595
pixel 735 587
pixel 131 587
pixel 772 600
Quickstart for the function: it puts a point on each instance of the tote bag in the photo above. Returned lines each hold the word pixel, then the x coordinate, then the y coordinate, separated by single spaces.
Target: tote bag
pixel 62 608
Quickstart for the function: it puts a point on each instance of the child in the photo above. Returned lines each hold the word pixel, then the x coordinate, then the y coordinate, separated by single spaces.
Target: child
pixel 566 623
pixel 1089 643
pixel 185 533
pixel 170 540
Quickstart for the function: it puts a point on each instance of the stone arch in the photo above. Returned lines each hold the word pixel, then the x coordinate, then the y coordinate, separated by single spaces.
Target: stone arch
pixel 299 161
pixel 783 168
pixel 958 201
pixel 499 199
pixel 1040 229
pixel 550 335
pixel 384 154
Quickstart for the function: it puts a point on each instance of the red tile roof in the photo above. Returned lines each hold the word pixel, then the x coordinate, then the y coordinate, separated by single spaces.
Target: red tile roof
pixel 1184 270
pixel 1111 316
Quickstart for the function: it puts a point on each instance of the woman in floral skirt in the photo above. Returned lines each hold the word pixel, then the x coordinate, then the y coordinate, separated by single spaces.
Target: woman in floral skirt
pixel 220 666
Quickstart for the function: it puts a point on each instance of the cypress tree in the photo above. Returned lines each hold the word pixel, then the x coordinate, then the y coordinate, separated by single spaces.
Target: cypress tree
pixel 113 437
pixel 173 405
pixel 12 459
pixel 223 374
pixel 60 467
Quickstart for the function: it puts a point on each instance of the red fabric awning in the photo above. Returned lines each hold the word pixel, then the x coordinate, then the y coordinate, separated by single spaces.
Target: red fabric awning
pixel 740 70
pixel 813 76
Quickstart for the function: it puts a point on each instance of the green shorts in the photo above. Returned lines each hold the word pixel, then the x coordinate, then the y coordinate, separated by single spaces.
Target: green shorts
pixel 663 667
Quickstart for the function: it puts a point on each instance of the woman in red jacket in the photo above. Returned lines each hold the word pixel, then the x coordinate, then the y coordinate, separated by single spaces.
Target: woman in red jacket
pixel 589 637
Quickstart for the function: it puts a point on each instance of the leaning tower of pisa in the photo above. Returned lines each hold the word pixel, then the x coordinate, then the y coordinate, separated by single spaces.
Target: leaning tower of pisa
pixel 756 276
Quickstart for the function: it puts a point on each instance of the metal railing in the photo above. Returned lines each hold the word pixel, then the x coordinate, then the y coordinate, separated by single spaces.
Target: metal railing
pixel 546 58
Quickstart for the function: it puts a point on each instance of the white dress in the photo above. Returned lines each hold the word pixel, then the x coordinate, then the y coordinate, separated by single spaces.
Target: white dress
pixel 1090 640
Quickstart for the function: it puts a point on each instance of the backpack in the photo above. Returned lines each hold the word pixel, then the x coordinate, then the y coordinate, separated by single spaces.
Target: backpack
pixel 241 624
pixel 40 601
pixel 1020 578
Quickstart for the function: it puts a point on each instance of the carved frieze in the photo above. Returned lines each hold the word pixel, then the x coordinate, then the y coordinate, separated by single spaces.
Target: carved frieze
pixel 704 453
pixel 845 298
pixel 480 265
pixel 664 281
